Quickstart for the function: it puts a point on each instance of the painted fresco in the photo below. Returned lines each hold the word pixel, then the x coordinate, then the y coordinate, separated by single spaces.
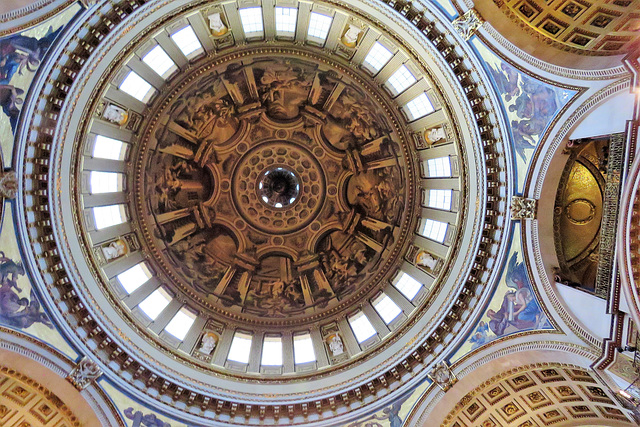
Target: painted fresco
pixel 387 417
pixel 20 308
pixel 514 306
pixel 530 106
pixel 20 57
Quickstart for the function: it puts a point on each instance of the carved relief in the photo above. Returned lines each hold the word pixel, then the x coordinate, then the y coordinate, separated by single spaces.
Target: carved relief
pixel 523 208
pixel 442 375
pixel 334 343
pixel 114 249
pixel 84 373
pixel 274 188
pixel 467 24
pixel 119 115
pixel 8 185
pixel 425 260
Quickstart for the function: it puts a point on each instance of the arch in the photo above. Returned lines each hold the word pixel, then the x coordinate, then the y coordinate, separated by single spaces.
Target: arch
pixel 44 369
pixel 523 381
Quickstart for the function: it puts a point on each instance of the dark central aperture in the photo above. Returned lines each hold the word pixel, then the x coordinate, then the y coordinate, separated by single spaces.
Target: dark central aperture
pixel 278 187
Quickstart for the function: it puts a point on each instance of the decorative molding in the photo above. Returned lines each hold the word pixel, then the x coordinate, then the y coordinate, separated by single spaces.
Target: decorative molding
pixel 606 275
pixel 523 208
pixel 17 346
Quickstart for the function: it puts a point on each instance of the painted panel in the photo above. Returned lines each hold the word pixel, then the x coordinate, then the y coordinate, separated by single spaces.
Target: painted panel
pixel 530 106
pixel 20 57
pixel 514 306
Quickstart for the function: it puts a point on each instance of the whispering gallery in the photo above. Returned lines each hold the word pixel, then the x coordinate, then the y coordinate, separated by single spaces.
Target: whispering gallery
pixel 358 213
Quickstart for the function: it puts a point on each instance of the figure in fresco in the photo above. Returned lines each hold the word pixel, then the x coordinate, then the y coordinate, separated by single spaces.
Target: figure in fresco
pixel 16 311
pixel 10 100
pixel 207 111
pixel 275 298
pixel 519 309
pixel 531 105
pixel 144 420
pixel 353 121
pixel 203 258
pixel 17 54
pixel 481 336
pixel 390 414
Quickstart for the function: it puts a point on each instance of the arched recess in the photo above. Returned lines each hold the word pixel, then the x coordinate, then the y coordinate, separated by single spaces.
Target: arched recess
pixel 527 384
pixel 545 176
pixel 43 371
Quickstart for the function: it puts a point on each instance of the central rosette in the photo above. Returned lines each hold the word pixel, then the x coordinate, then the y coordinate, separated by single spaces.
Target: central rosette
pixel 273 188
pixel 274 175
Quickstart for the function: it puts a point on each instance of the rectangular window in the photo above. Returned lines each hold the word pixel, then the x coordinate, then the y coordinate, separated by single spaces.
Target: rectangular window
pixel 303 349
pixel 272 351
pixel 386 308
pixel 153 305
pixel 240 347
pixel 159 61
pixel 137 87
pixel 251 18
pixel 434 230
pixel 408 286
pixel 187 41
pixel 181 323
pixel 319 25
pixel 286 18
pixel 362 327
pixel 420 106
pixel 105 182
pixel 378 56
pixel 109 148
pixel 134 277
pixel 439 167
pixel 108 216
pixel 440 199
pixel 401 79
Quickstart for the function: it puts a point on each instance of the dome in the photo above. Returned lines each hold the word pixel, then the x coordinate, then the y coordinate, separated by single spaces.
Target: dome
pixel 251 211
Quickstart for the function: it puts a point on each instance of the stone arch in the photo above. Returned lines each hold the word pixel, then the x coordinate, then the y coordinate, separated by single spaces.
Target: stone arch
pixel 34 387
